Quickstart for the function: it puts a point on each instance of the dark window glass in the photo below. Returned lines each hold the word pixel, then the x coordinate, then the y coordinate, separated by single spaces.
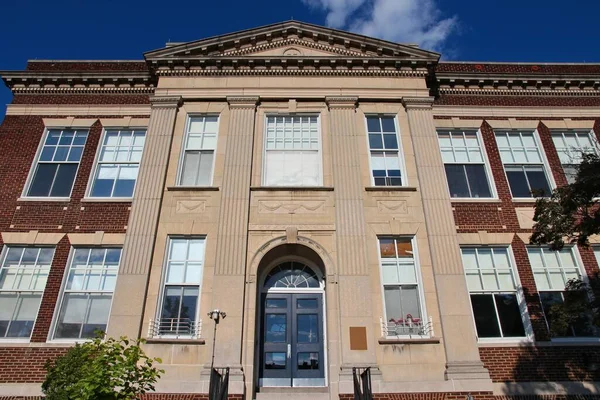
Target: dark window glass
pixel 308 360
pixel 486 320
pixel 276 303
pixel 391 141
pixel 124 188
pixel 510 315
pixel 375 141
pixel 518 182
pixel 276 328
pixel 308 328
pixel 478 180
pixel 64 180
pixel 42 180
pixel 275 360
pixel 388 124
pixel 307 303
pixel 457 181
pixel 373 124
pixel 581 327
pixel 538 181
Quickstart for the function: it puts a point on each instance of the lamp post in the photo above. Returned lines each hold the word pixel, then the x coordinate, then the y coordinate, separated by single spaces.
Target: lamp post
pixel 215 315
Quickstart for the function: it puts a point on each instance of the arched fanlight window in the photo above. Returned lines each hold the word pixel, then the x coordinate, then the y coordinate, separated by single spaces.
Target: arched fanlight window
pixel 292 275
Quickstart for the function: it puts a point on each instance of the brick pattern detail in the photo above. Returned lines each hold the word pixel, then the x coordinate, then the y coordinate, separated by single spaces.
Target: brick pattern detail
pixel 516 101
pixel 541 364
pixel 81 99
pixel 540 69
pixel 70 66
pixel 25 364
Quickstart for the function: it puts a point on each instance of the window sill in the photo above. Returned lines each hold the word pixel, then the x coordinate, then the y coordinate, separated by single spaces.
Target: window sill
pixel 46 199
pixel 527 199
pixel 4 341
pixel 176 341
pixel 499 342
pixel 192 188
pixel 474 200
pixel 426 340
pixel 291 188
pixel 391 188
pixel 107 200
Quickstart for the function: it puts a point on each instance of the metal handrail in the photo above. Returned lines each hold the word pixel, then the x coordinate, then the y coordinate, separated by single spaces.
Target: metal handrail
pixel 362 383
pixel 177 327
pixel 218 388
pixel 411 327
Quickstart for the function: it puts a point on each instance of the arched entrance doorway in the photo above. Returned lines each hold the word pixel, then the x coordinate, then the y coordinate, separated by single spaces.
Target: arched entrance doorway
pixel 291 349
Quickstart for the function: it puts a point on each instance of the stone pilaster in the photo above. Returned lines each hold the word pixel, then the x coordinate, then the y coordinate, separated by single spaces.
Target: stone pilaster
pixel 353 281
pixel 460 343
pixel 130 292
pixel 230 266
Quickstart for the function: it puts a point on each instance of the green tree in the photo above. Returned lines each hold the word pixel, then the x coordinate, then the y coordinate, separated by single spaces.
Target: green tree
pixel 107 369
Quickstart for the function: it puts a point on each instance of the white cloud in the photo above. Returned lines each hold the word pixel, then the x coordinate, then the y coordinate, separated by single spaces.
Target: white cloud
pixel 405 21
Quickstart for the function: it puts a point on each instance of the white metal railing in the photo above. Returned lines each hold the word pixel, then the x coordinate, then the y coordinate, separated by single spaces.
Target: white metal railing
pixel 175 327
pixel 409 327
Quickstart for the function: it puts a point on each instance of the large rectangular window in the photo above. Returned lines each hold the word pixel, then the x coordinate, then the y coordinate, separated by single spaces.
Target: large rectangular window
pixel 88 292
pixel 384 151
pixel 292 151
pixel 493 288
pixel 570 145
pixel 55 169
pixel 551 271
pixel 118 163
pixel 23 275
pixel 400 279
pixel 523 163
pixel 199 148
pixel 178 314
pixel 597 253
pixel 464 161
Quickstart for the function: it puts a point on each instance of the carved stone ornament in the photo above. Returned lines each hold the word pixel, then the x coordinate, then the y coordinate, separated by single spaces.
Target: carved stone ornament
pixel 290 207
pixel 417 102
pixel 292 51
pixel 165 101
pixel 398 207
pixel 243 101
pixel 190 207
pixel 341 102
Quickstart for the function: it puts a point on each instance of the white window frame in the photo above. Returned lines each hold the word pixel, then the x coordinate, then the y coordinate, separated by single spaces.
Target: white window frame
pixel 545 164
pixel 582 275
pixel 597 253
pixel 401 154
pixel 36 160
pixel 60 301
pixel 188 122
pixel 3 255
pixel 577 132
pixel 486 165
pixel 264 146
pixel 419 280
pixel 163 285
pixel 97 163
pixel 521 301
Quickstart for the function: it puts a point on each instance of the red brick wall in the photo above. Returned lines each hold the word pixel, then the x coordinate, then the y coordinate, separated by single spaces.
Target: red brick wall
pixel 25 364
pixel 516 101
pixel 81 99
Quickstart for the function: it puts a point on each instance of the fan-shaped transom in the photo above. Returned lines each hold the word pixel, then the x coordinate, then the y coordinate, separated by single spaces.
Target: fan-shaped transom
pixel 292 275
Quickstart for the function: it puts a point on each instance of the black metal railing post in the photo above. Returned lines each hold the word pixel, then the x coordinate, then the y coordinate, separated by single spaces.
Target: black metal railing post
pixel 218 388
pixel 362 384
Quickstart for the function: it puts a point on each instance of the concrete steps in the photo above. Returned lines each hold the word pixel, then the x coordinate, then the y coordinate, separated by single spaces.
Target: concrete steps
pixel 300 393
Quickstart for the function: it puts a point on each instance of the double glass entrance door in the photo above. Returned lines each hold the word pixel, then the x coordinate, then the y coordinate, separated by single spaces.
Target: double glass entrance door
pixel 292 340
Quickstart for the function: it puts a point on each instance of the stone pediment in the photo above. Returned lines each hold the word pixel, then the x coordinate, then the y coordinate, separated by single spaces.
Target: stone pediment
pixel 294 47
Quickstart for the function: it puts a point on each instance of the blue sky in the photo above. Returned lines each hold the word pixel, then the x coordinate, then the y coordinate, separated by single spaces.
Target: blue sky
pixel 492 30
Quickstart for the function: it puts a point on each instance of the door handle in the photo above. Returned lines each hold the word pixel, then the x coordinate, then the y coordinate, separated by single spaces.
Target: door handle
pixel 289 352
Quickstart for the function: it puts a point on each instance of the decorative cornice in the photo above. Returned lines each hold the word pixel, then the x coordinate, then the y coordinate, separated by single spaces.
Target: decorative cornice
pixel 51 89
pixel 165 101
pixel 337 102
pixel 242 101
pixel 417 102
pixel 521 92
pixel 293 42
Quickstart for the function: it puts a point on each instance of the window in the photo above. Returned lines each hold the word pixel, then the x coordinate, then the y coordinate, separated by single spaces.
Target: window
pixel 182 283
pixel 523 163
pixel 570 145
pixel 551 271
pixel 464 162
pixel 199 151
pixel 401 291
pixel 597 253
pixel 492 284
pixel 56 167
pixel 118 163
pixel 23 275
pixel 88 292
pixel 292 151
pixel 385 151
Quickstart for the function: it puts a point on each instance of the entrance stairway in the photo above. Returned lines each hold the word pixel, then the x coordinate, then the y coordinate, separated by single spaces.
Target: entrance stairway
pixel 297 393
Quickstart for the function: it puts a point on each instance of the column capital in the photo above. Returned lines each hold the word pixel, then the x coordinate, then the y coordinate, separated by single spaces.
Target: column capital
pixel 341 102
pixel 242 101
pixel 417 102
pixel 165 101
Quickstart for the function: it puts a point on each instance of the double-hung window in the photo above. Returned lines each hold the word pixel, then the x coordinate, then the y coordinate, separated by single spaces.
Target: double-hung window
pixel 56 166
pixel 523 162
pixel 496 301
pixel 384 151
pixel 570 145
pixel 464 161
pixel 118 163
pixel 199 151
pixel 551 271
pixel 178 314
pixel 88 291
pixel 401 286
pixel 292 151
pixel 23 275
pixel 597 253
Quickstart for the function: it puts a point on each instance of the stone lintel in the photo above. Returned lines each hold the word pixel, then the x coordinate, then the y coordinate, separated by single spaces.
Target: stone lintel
pixel 417 102
pixel 243 101
pixel 165 101
pixel 341 102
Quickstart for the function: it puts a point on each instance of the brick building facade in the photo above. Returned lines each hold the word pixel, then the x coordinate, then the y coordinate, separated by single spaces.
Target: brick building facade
pixel 348 202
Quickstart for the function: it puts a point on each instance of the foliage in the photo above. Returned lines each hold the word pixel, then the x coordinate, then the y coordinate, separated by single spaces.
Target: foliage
pixel 571 214
pixel 107 369
pixel 580 310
